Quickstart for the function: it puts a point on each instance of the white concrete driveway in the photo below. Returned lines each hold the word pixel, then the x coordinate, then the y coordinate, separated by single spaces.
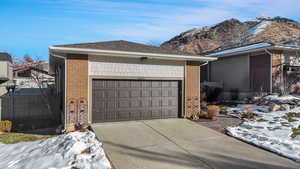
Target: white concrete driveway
pixel 180 144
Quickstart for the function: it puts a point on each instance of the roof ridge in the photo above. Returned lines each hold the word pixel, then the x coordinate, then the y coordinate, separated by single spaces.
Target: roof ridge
pixel 123 45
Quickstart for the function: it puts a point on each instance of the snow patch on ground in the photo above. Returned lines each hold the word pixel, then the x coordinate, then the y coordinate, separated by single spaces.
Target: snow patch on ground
pixel 270 131
pixel 282 98
pixel 80 150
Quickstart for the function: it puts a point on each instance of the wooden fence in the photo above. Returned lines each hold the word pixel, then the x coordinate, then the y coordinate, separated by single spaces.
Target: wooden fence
pixel 29 110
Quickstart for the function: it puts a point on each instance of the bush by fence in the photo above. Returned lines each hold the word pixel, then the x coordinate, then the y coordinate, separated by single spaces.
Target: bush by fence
pixel 5 126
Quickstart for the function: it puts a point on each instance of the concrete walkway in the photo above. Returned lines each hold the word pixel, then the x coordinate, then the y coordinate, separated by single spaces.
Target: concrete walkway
pixel 181 144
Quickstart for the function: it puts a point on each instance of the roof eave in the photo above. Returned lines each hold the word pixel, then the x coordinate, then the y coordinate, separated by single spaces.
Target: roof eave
pixel 284 47
pixel 239 53
pixel 130 54
pixel 272 47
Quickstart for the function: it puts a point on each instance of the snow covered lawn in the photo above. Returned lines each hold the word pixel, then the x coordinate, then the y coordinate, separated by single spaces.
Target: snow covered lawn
pixel 80 150
pixel 277 131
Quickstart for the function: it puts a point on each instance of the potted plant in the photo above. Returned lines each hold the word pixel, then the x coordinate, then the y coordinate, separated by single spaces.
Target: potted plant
pixel 213 112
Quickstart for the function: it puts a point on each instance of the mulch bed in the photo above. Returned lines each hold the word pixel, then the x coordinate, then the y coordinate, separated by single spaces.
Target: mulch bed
pixel 221 124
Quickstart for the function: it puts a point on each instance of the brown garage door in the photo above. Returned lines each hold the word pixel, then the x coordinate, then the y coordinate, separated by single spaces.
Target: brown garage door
pixel 125 100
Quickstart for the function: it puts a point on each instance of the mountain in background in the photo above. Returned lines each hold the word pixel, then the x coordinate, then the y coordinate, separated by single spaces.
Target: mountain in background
pixel 232 33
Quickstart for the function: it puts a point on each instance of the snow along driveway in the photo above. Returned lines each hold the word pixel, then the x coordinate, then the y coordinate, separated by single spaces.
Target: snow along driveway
pixel 80 150
pixel 271 130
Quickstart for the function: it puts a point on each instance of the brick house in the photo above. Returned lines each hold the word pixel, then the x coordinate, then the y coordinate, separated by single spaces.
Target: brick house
pixel 122 81
pixel 259 68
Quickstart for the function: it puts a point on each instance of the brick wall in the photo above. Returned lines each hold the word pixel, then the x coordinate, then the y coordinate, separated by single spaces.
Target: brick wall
pixel 192 89
pixel 77 89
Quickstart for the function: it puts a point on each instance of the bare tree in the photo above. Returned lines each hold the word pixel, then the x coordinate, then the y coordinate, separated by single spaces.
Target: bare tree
pixel 38 75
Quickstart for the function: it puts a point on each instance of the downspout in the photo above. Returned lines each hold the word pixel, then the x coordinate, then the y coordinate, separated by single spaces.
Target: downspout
pixel 65 86
pixel 204 64
pixel 271 71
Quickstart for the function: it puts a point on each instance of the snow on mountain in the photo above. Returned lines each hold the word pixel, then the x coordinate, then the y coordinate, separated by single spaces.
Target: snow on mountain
pixel 233 33
pixel 260 27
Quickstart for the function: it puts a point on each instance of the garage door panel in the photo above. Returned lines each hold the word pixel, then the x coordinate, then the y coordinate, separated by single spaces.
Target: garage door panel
pixel 146 93
pixel 165 102
pixel 145 103
pixel 156 113
pixel 156 92
pixel 124 84
pixel 125 104
pixel 146 84
pixel 166 84
pixel 110 94
pixel 156 84
pixel 174 84
pixel 135 93
pixel 155 102
pixel 135 114
pixel 135 84
pixel 165 93
pixel 110 84
pixel 123 94
pixel 135 104
pixel 123 100
pixel 124 115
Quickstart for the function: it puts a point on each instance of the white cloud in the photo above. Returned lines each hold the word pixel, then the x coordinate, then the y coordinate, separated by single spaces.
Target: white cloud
pixel 160 21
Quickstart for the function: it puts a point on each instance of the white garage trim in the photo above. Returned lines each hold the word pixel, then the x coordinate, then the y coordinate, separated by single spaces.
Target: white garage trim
pixel 130 54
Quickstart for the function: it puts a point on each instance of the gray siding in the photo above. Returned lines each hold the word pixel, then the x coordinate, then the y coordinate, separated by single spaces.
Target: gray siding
pixel 233 72
pixel 131 67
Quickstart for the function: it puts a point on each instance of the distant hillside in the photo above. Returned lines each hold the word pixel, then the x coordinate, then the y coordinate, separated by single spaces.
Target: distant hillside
pixel 232 32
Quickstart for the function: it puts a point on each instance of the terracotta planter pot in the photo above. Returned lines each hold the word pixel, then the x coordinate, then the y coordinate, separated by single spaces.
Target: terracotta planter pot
pixel 213 112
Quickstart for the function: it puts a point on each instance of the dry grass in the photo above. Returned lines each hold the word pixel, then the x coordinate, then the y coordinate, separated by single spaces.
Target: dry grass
pixel 290 117
pixel 11 138
pixel 261 120
pixel 296 132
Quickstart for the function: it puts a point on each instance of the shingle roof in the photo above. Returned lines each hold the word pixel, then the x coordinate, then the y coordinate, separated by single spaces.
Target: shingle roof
pixel 126 46
pixel 5 57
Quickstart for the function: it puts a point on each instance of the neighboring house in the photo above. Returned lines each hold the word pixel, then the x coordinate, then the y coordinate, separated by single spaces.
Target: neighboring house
pixel 6 74
pixel 122 81
pixel 23 75
pixel 256 69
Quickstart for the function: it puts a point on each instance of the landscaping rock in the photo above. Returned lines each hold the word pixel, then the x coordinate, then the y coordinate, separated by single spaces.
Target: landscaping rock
pixel 274 107
pixel 285 107
pixel 297 102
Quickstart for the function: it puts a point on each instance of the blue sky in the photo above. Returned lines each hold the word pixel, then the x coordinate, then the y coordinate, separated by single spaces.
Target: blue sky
pixel 30 26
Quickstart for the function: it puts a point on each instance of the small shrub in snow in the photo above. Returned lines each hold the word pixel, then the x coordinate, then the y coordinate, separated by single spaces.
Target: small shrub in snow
pixel 296 132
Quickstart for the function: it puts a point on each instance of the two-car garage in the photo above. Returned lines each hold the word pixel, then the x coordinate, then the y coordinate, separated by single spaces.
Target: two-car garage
pixel 123 81
pixel 124 100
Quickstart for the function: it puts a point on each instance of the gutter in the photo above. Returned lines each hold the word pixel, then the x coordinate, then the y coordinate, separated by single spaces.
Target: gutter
pixel 131 54
pixel 65 86
pixel 285 47
pixel 241 52
pixel 274 47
